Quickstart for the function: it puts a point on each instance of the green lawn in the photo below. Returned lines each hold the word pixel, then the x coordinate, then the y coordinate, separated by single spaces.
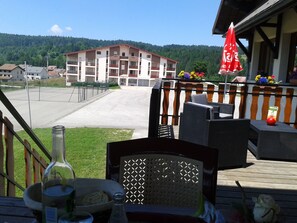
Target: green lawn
pixel 85 149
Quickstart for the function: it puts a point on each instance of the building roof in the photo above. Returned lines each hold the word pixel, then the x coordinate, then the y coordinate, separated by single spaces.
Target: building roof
pixel 9 67
pixel 52 67
pixel 119 45
pixel 233 11
pixel 32 69
pixel 246 14
pixel 261 14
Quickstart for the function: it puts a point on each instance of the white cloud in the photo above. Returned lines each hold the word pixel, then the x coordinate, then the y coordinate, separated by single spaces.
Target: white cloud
pixel 56 30
pixel 68 28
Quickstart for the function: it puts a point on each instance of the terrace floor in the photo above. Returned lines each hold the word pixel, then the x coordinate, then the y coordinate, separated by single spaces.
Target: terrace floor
pixel 276 178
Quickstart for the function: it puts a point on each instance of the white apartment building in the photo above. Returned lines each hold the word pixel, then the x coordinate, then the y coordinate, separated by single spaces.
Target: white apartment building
pixel 123 64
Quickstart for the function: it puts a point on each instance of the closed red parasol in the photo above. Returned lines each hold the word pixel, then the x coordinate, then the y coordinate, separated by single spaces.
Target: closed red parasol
pixel 230 64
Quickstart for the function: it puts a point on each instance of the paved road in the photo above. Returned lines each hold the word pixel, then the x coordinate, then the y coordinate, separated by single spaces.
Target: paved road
pixel 124 108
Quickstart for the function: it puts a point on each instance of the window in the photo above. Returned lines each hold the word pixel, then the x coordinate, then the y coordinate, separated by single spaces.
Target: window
pixel 123 54
pixel 292 54
pixel 99 52
pixel 148 56
pixel 132 54
pixel 265 59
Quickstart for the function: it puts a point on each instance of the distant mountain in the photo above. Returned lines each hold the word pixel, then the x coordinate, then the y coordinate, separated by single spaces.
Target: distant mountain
pixel 34 50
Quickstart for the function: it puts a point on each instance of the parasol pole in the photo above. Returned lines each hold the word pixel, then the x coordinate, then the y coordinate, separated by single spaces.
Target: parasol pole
pixel 225 87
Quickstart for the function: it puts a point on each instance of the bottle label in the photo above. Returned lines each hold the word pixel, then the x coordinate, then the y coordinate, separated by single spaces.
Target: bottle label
pixel 57 201
pixel 51 215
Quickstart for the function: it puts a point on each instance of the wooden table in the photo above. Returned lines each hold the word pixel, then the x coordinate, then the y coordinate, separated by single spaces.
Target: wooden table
pixel 13 210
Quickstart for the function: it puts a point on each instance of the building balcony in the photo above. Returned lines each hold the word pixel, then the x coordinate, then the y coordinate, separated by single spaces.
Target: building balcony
pixel 113 74
pixel 154 75
pixel 114 57
pixel 133 67
pixel 133 58
pixel 90 73
pixel 155 68
pixel 132 75
pixel 74 62
pixel 124 58
pixel 72 72
pixel 170 69
pixel 92 63
pixel 169 76
pixel 114 65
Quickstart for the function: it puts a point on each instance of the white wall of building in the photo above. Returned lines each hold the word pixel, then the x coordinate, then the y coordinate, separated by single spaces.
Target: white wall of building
pixel 82 63
pixel 145 61
pixel 162 68
pixel 280 64
pixel 102 65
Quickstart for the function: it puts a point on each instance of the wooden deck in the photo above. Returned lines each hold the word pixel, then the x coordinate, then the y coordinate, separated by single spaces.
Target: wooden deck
pixel 276 178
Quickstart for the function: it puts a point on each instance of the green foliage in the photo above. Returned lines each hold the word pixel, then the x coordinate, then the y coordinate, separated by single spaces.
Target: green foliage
pixel 200 66
pixel 35 50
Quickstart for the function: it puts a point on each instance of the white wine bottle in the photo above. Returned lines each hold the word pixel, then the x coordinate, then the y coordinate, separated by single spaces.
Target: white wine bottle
pixel 58 182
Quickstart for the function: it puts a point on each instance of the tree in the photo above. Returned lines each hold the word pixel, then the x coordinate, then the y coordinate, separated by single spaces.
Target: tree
pixel 200 66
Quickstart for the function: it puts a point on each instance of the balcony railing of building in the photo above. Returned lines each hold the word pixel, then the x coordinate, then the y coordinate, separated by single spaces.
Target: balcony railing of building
pixel 154 75
pixel 90 63
pixel 169 76
pixel 155 68
pixel 114 65
pixel 133 67
pixel 132 75
pixel 124 58
pixel 72 71
pixel 73 62
pixel 171 69
pixel 90 73
pixel 113 74
pixel 133 58
pixel 251 101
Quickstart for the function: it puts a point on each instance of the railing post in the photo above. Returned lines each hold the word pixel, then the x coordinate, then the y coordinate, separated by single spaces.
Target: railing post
pixel 9 158
pixel 165 103
pixel 154 112
pixel 176 103
pixel 2 178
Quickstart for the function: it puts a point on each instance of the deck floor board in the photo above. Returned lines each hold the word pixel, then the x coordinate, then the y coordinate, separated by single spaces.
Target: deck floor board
pixel 276 178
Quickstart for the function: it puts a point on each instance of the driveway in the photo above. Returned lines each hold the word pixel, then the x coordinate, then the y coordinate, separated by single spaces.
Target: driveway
pixel 124 108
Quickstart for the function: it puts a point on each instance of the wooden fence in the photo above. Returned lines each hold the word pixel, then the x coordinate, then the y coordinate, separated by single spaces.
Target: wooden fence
pixel 251 101
pixel 34 164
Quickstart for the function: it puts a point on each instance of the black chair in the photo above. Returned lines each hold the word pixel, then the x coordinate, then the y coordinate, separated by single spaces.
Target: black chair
pixel 220 110
pixel 163 178
pixel 229 136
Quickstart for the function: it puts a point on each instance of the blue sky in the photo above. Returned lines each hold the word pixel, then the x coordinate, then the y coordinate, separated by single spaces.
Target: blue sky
pixel 158 22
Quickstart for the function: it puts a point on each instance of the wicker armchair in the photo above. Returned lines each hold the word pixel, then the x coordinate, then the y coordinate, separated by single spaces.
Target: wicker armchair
pixel 163 178
pixel 220 110
pixel 229 136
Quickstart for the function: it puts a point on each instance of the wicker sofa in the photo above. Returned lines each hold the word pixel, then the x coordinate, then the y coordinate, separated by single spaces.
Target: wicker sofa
pixel 229 136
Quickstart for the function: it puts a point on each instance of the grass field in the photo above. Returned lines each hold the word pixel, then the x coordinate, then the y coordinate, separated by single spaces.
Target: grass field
pixel 85 150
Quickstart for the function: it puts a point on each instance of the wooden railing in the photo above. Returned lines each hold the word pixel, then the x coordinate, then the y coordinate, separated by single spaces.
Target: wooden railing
pixel 251 101
pixel 33 164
